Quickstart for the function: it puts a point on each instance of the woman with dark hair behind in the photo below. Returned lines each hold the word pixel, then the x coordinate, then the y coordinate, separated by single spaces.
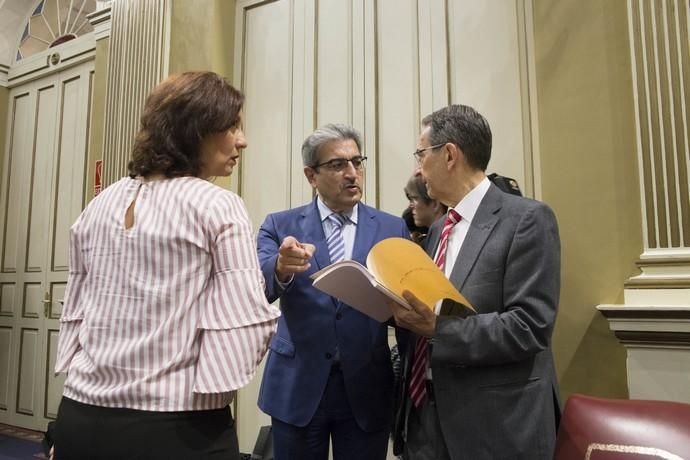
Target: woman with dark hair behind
pixel 424 209
pixel 164 314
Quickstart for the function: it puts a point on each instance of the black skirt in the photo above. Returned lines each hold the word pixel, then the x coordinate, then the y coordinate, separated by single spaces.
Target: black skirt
pixel 83 431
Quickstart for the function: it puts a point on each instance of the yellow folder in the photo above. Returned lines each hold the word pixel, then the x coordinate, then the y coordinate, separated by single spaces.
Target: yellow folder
pixel 393 266
pixel 400 265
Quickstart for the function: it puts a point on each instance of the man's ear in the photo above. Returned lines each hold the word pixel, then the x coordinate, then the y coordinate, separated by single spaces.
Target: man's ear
pixel 453 154
pixel 310 174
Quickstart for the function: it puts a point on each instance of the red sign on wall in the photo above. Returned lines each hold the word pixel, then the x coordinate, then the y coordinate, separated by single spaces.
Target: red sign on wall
pixel 97 180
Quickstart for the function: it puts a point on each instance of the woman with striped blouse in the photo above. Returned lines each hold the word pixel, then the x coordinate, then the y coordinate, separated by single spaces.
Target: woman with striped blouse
pixel 165 314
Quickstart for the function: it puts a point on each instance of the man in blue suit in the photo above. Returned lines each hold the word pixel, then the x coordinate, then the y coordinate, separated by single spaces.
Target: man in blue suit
pixel 328 375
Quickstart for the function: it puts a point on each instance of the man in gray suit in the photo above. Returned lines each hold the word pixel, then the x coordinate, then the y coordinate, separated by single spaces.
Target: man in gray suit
pixel 481 386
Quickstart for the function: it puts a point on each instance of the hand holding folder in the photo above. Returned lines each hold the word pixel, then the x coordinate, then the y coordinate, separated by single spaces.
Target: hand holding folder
pixel 394 265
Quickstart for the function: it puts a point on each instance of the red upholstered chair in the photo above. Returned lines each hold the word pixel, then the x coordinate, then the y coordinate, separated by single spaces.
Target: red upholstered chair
pixel 620 429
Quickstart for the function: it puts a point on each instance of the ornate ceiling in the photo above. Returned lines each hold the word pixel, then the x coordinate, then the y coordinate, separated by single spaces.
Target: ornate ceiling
pixel 13 17
pixel 31 26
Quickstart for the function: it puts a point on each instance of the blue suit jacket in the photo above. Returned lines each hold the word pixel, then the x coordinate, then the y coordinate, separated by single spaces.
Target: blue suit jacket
pixel 313 324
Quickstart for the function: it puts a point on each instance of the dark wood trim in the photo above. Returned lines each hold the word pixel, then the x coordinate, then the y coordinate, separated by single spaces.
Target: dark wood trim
pixel 650 313
pixel 674 339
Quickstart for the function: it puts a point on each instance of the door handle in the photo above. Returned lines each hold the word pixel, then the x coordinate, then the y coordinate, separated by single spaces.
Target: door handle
pixel 47 300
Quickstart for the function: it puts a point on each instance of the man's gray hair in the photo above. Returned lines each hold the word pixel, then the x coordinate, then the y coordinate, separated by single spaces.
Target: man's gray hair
pixel 325 134
pixel 464 127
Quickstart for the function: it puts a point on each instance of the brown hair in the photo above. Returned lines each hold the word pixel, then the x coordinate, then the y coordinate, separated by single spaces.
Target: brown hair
pixel 178 115
pixel 416 186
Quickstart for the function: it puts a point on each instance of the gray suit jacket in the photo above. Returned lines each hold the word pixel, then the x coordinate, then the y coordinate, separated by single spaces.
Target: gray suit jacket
pixel 494 379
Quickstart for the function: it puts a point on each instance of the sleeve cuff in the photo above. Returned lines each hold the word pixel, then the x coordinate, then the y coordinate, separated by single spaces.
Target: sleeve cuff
pixel 68 344
pixel 228 359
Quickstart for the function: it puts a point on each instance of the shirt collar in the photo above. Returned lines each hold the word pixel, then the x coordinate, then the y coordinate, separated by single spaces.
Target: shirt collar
pixel 325 211
pixel 468 206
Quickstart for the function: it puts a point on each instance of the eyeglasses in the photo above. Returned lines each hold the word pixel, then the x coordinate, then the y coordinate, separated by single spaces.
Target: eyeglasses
pixel 339 164
pixel 419 153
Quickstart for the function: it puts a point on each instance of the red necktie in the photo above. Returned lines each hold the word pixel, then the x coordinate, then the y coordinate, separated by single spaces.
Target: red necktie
pixel 419 364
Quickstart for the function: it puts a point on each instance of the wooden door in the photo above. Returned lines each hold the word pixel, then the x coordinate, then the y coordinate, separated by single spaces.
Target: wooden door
pixel 42 194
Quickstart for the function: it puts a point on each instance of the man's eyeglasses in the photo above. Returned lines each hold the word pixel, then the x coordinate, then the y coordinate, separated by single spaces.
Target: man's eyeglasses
pixel 339 164
pixel 419 153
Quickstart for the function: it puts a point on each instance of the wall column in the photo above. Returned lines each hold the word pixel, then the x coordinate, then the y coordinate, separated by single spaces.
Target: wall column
pixel 137 61
pixel 654 322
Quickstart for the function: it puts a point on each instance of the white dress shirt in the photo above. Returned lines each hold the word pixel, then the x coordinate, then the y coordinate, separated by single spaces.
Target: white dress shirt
pixel 467 208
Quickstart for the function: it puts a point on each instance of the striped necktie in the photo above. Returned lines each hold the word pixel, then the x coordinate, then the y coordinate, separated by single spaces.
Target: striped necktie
pixel 421 352
pixel 335 242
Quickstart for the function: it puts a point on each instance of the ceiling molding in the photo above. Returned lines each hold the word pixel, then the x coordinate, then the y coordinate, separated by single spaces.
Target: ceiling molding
pixel 3 75
pixel 53 59
pixel 13 17
pixel 101 20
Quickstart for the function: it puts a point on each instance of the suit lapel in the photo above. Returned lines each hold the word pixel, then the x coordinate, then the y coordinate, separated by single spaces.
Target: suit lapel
pixel 312 229
pixel 364 235
pixel 433 237
pixel 483 223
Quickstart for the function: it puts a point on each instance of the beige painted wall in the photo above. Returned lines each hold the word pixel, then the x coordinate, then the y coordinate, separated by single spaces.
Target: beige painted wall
pixel 96 129
pixel 4 95
pixel 201 38
pixel 590 178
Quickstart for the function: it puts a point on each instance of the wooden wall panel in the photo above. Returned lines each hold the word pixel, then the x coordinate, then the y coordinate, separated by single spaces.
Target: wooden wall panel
pixel 266 81
pixel 485 74
pixel 5 344
pixel 7 300
pixel 269 71
pixel 433 56
pixel 334 62
pixel 398 51
pixel 53 387
pixel 29 345
pixel 19 151
pixel 57 295
pixel 69 186
pixel 41 164
pixel 32 305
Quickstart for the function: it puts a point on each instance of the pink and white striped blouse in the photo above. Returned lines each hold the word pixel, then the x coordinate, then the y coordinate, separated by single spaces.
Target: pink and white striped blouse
pixel 170 314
